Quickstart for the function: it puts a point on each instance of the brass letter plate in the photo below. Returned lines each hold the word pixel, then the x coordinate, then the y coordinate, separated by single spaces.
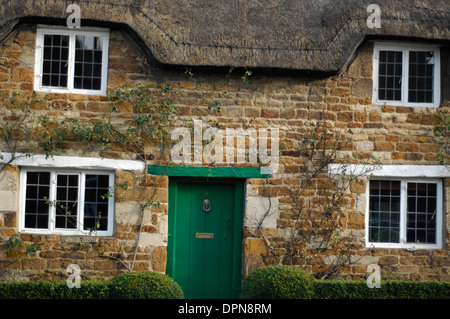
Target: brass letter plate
pixel 204 235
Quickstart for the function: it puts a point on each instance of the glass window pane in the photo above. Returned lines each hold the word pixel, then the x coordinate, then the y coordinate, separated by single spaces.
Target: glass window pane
pixel 97 69
pixel 90 195
pixel 431 236
pixel 384 235
pixel 421 236
pixel 77 82
pixel 67 201
pixel 96 204
pixel 421 204
pixel 36 194
pixel 73 180
pixel 90 210
pixel 395 235
pixel 432 189
pixel 98 56
pixel 411 204
pixel 88 50
pixel 389 75
pixel 30 221
pixel 42 221
pixel 55 59
pixel 30 207
pixel 420 76
pixel 411 221
pixel 32 191
pixel 384 211
pixel 47 68
pixel 97 83
pixel 421 221
pixel 32 178
pixel 410 236
pixel 421 213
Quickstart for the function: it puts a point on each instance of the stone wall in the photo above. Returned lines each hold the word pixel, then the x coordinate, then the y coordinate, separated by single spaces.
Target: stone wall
pixel 292 103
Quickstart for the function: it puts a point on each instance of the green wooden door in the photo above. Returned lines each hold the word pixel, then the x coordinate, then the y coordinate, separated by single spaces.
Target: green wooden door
pixel 205 248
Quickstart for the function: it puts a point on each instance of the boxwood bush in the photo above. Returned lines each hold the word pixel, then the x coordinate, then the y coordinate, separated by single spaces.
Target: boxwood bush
pixel 130 285
pixel 46 289
pixel 288 282
pixel 144 285
pixel 389 289
pixel 278 282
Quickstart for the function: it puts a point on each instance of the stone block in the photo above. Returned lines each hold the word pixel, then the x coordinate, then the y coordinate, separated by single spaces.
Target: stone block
pixel 8 200
pixel 4 77
pixel 22 75
pixel 155 240
pixel 362 88
pixel 159 259
pixel 257 207
pixel 340 91
pixel 270 113
pixel 255 246
pixel 127 213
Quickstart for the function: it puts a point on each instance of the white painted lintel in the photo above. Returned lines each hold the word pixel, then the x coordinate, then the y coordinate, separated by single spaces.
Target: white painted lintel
pixel 414 171
pixel 72 162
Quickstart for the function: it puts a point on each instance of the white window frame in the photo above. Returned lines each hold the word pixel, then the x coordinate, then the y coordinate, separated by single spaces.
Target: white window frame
pixel 403 215
pixel 98 32
pixel 51 230
pixel 405 48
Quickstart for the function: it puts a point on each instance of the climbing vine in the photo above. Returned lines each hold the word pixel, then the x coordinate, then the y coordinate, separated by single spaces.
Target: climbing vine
pixel 442 130
pixel 151 115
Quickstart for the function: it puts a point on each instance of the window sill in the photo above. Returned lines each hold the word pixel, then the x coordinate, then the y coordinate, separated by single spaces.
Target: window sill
pixel 74 233
pixel 408 247
pixel 406 104
pixel 68 91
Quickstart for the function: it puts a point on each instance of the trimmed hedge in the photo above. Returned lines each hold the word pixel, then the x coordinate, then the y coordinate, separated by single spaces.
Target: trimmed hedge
pixel 270 282
pixel 46 289
pixel 389 289
pixel 281 282
pixel 144 285
pixel 278 282
pixel 131 285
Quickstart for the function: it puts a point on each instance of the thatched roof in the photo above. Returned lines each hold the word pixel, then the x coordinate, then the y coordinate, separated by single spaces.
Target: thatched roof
pixel 317 35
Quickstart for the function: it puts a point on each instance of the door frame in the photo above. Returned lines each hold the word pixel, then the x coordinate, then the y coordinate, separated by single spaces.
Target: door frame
pixel 237 249
pixel 223 173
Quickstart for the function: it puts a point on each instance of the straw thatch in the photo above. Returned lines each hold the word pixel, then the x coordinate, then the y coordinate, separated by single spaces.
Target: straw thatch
pixel 317 35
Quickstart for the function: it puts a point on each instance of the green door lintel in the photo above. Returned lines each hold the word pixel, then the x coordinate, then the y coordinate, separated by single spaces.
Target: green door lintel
pixel 195 171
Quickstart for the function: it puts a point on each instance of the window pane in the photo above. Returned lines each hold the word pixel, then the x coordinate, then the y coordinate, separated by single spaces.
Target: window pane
pixel 98 56
pixel 67 201
pixel 97 70
pixel 55 60
pixel 390 75
pixel 384 211
pixel 36 194
pixel 88 60
pixel 96 202
pixel 421 76
pixel 421 213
